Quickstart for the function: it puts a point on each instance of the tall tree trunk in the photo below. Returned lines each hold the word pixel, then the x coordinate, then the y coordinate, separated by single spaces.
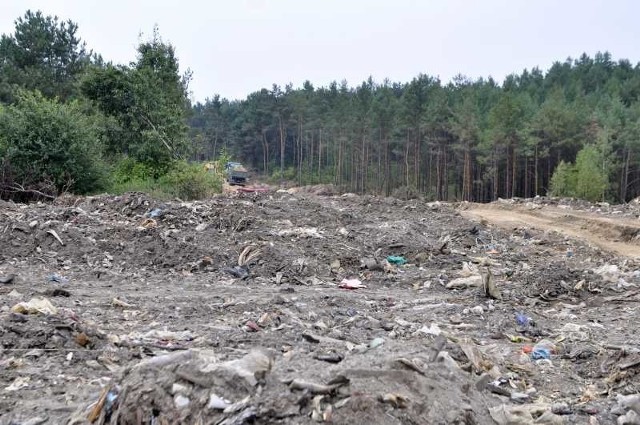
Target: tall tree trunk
pixel 416 159
pixel 514 164
pixel 494 196
pixel 320 155
pixel 379 151
pixel 625 176
pixel 311 148
pixel 215 145
pixel 445 169
pixel 299 149
pixel 429 168
pixel 282 140
pixel 265 153
pixel 439 174
pixel 535 171
pixel 507 173
pixel 364 166
pixel 406 160
pixel 466 174
pixel 339 161
pixel 387 167
pixel 526 177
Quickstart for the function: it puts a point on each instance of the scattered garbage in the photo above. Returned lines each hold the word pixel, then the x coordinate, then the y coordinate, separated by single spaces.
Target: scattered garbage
pixel 57 278
pixel 368 263
pixel 55 235
pixel 608 272
pixel 7 279
pixel 433 330
pixel 524 321
pixel 397 260
pixel 119 303
pixel 240 272
pixel 376 342
pixel 131 338
pixel 18 384
pixel 200 371
pixel 465 282
pixel 540 354
pixel 526 414
pixel 329 357
pixel 351 284
pixel 542 350
pixel 155 213
pixel 34 306
pixel 301 232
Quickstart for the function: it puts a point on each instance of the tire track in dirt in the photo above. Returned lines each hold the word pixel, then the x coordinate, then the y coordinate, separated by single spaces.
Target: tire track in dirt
pixel 616 235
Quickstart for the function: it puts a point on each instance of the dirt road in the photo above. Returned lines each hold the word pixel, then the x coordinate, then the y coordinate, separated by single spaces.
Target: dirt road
pixel 610 233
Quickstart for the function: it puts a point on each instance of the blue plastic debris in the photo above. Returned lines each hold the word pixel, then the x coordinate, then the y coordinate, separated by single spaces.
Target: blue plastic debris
pixel 57 278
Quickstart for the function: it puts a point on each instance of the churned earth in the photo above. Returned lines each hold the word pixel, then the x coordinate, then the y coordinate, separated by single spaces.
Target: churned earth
pixel 297 306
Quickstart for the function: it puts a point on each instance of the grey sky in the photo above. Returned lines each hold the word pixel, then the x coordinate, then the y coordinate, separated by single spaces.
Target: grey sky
pixel 235 47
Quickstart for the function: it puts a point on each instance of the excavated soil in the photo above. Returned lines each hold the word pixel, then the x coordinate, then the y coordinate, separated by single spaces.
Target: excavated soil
pixel 233 311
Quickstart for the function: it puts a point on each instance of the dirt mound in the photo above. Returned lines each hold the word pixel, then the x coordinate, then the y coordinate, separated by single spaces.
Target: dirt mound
pixel 196 387
pixel 347 295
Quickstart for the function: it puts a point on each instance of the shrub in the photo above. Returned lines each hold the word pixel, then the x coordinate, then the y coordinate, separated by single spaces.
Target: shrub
pixel 190 181
pixel 129 170
pixel 44 141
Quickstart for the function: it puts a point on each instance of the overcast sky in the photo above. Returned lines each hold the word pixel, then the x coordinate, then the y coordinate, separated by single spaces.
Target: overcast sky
pixel 235 47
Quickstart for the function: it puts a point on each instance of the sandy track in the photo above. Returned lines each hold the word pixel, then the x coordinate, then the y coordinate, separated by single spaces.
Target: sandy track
pixel 616 235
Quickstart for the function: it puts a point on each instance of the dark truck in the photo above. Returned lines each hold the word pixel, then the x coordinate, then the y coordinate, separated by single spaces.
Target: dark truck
pixel 236 173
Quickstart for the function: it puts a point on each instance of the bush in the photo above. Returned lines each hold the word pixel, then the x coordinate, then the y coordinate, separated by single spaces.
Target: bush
pixel 44 142
pixel 185 181
pixel 129 170
pixel 190 181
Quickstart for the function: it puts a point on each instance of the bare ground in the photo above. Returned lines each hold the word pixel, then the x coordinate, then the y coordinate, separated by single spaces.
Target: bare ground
pixel 158 324
pixel 614 233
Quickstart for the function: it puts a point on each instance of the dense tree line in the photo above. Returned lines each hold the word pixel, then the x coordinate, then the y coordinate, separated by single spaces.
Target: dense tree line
pixel 71 121
pixel 468 139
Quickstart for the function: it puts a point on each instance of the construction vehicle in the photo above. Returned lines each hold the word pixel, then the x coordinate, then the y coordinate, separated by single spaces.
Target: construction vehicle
pixel 236 174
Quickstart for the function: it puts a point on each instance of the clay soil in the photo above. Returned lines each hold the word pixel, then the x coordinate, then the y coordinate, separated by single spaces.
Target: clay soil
pixel 150 307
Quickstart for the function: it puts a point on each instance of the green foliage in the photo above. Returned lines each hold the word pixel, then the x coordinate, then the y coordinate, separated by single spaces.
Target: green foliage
pixel 129 170
pixel 223 158
pixel 586 179
pixel 289 174
pixel 468 139
pixel 43 54
pixel 591 177
pixel 148 104
pixel 185 181
pixel 190 181
pixel 47 141
pixel 563 181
